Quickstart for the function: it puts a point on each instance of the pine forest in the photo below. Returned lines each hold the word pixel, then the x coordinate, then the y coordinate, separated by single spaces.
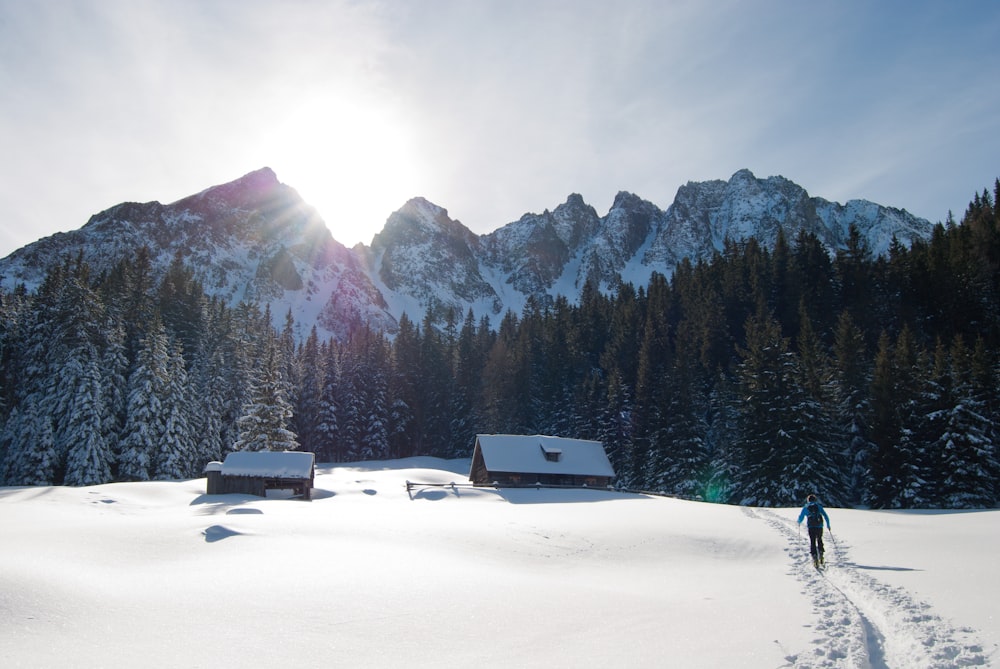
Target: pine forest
pixel 754 377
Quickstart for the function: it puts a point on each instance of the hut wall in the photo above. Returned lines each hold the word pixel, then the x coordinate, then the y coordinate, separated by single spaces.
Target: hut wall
pixel 214 482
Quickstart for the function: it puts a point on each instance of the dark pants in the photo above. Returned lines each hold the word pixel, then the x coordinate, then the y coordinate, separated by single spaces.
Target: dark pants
pixel 816 541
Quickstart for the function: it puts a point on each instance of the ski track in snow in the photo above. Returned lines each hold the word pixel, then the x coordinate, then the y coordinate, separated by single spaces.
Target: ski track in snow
pixel 866 624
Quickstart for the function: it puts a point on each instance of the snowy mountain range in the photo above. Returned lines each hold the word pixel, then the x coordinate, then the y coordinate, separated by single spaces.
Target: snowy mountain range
pixel 255 239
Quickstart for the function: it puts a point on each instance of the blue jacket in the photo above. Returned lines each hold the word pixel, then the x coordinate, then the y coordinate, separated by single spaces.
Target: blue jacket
pixel 805 512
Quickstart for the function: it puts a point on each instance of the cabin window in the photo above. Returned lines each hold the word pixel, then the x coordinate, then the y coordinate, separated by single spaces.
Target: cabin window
pixel 551 454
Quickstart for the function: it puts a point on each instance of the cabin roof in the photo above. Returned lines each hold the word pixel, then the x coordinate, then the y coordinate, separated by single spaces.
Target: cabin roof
pixel 274 464
pixel 541 454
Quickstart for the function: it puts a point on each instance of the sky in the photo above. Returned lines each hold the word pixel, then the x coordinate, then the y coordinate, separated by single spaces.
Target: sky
pixel 490 108
pixel 373 574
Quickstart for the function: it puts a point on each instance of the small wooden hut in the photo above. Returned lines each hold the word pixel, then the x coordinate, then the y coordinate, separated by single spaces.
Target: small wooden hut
pixel 256 472
pixel 513 459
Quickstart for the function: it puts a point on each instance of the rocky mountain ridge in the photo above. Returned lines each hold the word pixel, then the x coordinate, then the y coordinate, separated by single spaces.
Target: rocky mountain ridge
pixel 254 239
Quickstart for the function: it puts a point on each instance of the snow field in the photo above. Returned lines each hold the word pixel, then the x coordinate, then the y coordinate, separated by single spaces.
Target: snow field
pixel 369 575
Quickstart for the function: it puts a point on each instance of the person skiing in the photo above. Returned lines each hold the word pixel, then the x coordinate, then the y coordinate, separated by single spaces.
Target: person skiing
pixel 815 512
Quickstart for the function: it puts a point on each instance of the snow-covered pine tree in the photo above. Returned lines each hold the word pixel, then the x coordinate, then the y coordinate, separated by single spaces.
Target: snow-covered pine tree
pixel 852 404
pixel 436 388
pixel 263 424
pixel 114 370
pixel 899 455
pixel 307 409
pixel 721 439
pixel 89 456
pixel 377 434
pixel 327 431
pixel 145 414
pixel 884 477
pixel 559 368
pixel 505 381
pixel 174 457
pixel 965 448
pixel 765 437
pixel 404 390
pixel 467 362
pixel 984 392
pixel 652 395
pixel 362 401
pixel 77 383
pixel 209 388
pixel 290 368
pixel 818 463
pixel 682 461
pixel 31 453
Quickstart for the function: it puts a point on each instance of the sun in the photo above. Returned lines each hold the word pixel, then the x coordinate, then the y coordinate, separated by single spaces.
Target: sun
pixel 349 157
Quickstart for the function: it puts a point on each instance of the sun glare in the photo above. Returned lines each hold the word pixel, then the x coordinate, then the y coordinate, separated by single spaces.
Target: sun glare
pixel 352 160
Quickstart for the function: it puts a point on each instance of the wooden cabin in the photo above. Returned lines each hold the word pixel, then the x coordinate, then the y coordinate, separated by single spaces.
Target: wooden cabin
pixel 256 472
pixel 513 459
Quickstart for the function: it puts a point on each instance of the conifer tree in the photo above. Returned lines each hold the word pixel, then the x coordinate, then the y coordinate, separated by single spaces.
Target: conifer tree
pixel 722 439
pixel 852 404
pixel 310 389
pixel 884 478
pixel 291 372
pixel 263 423
pixel 436 391
pixel 681 463
pixel 504 377
pixel 783 453
pixel 896 458
pixel 209 389
pixel 821 465
pixel 363 409
pixel 650 391
pixel 145 423
pixel 374 442
pixel 30 447
pixel 330 446
pixel 77 387
pixel 468 362
pixel 853 268
pixel 89 456
pixel 114 373
pixel 966 447
pixel 407 407
pixel 175 455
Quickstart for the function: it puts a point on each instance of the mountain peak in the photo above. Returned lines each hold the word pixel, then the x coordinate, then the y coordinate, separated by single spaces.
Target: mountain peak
pixel 625 199
pixel 742 175
pixel 422 208
pixel 251 188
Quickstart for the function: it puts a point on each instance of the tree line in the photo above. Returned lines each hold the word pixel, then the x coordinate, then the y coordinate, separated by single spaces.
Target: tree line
pixel 752 377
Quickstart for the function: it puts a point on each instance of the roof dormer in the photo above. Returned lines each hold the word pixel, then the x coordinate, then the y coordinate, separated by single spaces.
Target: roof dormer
pixel 552 454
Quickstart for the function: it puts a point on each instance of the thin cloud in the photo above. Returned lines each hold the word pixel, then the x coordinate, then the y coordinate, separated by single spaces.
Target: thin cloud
pixel 504 107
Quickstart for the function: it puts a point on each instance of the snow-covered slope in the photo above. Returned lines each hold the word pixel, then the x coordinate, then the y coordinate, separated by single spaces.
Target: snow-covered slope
pixel 159 574
pixel 255 239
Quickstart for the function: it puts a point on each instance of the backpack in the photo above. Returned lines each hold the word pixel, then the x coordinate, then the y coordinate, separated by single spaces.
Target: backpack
pixel 814 518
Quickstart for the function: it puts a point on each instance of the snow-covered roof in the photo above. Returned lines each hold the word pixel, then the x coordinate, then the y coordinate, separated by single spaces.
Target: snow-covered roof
pixel 277 464
pixel 527 454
